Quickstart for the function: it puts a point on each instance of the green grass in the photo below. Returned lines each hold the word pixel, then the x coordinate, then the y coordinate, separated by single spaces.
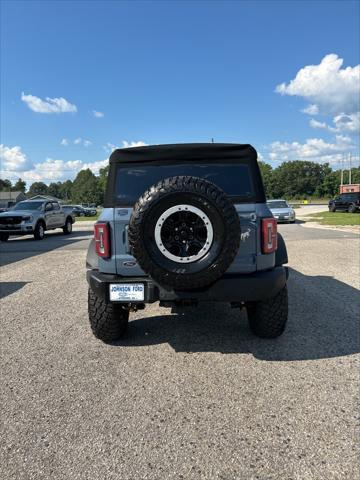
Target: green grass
pixel 87 219
pixel 335 218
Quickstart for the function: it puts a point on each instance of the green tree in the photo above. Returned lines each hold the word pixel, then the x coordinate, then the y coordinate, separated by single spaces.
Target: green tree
pixel 86 188
pixel 54 189
pixel 267 177
pixel 298 178
pixel 355 175
pixel 5 185
pixel 103 175
pixel 20 186
pixel 38 188
pixel 65 190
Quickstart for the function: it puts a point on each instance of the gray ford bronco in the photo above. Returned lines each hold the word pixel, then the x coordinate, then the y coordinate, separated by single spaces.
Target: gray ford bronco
pixel 185 224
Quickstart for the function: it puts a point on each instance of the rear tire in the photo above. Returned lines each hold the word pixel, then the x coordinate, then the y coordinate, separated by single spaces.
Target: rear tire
pixel 4 237
pixel 67 229
pixel 268 318
pixel 352 208
pixel 332 208
pixel 39 232
pixel 108 321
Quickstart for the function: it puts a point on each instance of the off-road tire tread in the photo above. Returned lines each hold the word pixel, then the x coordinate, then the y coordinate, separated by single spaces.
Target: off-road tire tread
pixel 268 318
pixel 192 185
pixel 108 321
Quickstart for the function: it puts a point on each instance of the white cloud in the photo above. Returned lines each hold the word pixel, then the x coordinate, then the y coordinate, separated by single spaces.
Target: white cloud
pixel 80 141
pixel 97 114
pixel 343 123
pixel 13 159
pixel 316 124
pixel 64 142
pixel 95 166
pixel 109 147
pixel 311 109
pixel 133 144
pixel 314 149
pixel 14 164
pixel 49 105
pixel 327 86
pixel 53 170
pixel 348 123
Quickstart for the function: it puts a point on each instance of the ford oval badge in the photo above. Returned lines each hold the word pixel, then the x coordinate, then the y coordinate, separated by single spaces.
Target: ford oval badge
pixel 129 264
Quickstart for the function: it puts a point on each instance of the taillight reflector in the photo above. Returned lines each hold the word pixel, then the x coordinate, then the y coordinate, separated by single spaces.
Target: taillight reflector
pixel 102 239
pixel 269 235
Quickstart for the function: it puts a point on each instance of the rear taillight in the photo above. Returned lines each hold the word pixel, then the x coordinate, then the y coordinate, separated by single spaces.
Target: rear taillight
pixel 102 239
pixel 269 235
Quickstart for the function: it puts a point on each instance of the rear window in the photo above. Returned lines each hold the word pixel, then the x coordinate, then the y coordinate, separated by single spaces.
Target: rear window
pixel 132 181
pixel 351 196
pixel 279 204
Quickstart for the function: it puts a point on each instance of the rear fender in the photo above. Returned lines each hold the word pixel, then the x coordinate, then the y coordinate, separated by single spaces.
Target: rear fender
pixel 92 260
pixel 281 256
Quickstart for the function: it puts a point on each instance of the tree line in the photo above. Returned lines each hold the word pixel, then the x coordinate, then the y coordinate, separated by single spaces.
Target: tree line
pixel 291 180
pixel 303 179
pixel 86 188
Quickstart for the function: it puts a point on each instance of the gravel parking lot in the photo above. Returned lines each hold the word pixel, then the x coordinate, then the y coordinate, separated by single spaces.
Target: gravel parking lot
pixel 183 396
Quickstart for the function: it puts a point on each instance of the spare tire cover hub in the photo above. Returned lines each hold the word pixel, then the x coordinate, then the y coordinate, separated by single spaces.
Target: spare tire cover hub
pixel 184 233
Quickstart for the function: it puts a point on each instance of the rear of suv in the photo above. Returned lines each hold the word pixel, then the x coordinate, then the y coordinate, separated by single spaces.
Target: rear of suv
pixel 186 224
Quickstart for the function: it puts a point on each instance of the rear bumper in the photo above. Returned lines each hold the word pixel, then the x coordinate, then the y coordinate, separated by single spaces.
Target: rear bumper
pixel 229 288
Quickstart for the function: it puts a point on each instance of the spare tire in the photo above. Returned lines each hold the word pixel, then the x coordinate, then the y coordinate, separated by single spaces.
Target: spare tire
pixel 184 232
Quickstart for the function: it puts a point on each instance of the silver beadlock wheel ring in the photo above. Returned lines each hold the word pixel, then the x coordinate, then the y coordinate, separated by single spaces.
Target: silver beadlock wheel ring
pixel 187 231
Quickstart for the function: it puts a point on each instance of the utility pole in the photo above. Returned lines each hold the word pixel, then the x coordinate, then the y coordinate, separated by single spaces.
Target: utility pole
pixel 342 170
pixel 349 168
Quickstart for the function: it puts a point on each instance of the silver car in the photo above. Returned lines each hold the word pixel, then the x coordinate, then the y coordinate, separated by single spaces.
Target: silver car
pixel 282 211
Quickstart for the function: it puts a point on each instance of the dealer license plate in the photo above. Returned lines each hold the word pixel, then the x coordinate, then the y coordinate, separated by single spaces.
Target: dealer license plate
pixel 127 292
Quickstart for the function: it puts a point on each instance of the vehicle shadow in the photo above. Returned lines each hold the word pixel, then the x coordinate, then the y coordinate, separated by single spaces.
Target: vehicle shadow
pixel 7 288
pixel 20 248
pixel 323 323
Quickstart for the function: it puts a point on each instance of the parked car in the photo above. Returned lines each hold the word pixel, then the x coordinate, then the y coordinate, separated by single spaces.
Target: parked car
pixel 88 205
pixel 282 211
pixel 86 211
pixel 34 217
pixel 346 202
pixel 78 210
pixel 90 211
pixel 183 224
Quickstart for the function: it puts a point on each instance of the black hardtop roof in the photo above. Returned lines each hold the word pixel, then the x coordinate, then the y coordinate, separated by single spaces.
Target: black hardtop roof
pixel 184 152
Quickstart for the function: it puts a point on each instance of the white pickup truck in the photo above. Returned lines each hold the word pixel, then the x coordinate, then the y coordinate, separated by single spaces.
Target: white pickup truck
pixel 35 217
